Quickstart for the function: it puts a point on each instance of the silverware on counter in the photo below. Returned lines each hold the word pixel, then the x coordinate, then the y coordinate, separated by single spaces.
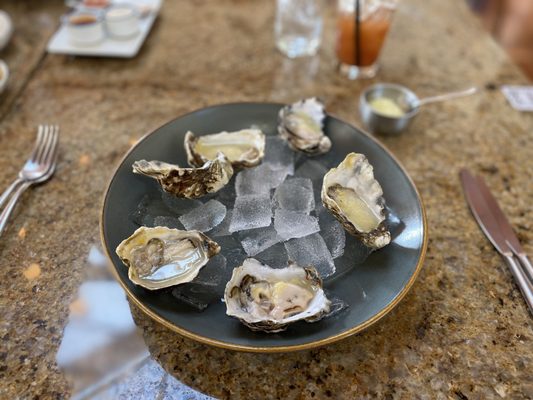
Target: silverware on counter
pixel 494 224
pixel 39 167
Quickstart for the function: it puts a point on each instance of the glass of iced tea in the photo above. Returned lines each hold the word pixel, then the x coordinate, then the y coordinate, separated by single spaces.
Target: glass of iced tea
pixel 362 27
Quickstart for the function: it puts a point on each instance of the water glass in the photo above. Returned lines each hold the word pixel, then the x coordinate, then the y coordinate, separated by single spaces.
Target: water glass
pixel 298 27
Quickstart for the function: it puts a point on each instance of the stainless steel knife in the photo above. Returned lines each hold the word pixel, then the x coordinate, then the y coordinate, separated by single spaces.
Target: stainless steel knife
pixel 483 208
pixel 505 228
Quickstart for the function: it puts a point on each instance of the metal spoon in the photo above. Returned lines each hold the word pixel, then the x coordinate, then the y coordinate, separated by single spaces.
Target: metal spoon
pixel 407 100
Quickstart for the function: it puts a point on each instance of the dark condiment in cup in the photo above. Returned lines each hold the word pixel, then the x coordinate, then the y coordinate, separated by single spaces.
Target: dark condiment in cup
pixel 82 19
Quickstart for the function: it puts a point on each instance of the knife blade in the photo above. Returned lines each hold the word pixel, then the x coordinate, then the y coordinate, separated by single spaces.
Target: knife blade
pixel 491 229
pixel 482 213
pixel 505 227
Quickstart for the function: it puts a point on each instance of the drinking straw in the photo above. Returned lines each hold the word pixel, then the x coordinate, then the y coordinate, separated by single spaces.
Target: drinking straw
pixel 357 33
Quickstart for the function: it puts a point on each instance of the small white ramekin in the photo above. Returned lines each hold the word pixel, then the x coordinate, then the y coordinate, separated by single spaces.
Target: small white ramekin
pixel 122 21
pixel 84 34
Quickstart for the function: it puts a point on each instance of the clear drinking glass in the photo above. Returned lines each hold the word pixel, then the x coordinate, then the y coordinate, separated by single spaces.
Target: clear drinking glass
pixel 362 27
pixel 298 27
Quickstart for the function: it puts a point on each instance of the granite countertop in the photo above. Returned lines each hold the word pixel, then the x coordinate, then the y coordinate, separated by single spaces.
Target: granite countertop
pixel 462 332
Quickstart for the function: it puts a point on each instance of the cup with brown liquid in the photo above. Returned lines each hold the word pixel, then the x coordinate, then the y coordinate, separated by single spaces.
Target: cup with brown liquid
pixel 362 26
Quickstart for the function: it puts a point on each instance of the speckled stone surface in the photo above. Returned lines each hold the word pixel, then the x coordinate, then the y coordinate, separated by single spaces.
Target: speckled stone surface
pixel 463 331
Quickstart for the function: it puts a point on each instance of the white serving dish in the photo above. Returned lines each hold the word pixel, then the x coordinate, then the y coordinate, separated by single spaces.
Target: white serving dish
pixel 109 47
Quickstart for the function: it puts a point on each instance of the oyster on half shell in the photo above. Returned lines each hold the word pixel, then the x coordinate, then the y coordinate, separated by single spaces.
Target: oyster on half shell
pixel 161 257
pixel 190 183
pixel 244 148
pixel 302 123
pixel 355 198
pixel 268 299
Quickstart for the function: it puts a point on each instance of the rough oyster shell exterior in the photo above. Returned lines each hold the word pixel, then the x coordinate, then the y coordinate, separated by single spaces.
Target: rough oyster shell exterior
pixel 190 183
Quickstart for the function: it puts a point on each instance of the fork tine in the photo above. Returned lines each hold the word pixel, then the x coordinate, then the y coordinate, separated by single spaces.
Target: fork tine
pixel 38 144
pixel 46 142
pixel 51 155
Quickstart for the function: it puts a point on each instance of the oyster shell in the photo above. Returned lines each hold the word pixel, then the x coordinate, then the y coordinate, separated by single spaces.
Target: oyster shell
pixel 161 257
pixel 302 123
pixel 188 182
pixel 244 148
pixel 268 299
pixel 355 198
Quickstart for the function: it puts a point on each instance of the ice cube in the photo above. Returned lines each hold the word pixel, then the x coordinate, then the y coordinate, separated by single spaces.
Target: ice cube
pixel 295 194
pixel 311 169
pixel 311 250
pixel 258 180
pixel 148 208
pixel 211 274
pixel 195 295
pixel 337 305
pixel 231 249
pixel 333 233
pixel 256 240
pixel 178 205
pixel 169 222
pixel 394 223
pixel 278 155
pixel 275 256
pixel 222 229
pixel 226 195
pixel 204 217
pixel 148 221
pixel 355 253
pixel 250 212
pixel 291 224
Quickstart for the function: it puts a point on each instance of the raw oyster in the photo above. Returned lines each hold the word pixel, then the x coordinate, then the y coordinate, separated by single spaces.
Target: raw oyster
pixel 188 182
pixel 355 198
pixel 244 148
pixel 302 123
pixel 268 299
pixel 161 257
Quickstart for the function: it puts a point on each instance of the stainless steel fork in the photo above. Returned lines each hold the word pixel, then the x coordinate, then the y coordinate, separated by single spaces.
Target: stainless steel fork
pixel 38 168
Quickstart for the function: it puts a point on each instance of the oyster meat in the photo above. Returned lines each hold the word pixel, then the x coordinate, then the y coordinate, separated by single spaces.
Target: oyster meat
pixel 355 198
pixel 268 299
pixel 244 148
pixel 302 123
pixel 190 183
pixel 161 257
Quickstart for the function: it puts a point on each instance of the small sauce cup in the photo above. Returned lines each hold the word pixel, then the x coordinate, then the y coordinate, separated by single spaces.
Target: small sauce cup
pixel 391 116
pixel 84 27
pixel 122 21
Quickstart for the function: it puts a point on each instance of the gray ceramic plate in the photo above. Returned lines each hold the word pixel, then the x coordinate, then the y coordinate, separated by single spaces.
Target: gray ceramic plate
pixel 371 288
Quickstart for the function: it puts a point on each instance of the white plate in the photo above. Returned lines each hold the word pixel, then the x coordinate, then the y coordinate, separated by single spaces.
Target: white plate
pixel 123 48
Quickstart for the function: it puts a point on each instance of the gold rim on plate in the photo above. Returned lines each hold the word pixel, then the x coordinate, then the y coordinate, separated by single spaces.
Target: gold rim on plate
pixel 259 349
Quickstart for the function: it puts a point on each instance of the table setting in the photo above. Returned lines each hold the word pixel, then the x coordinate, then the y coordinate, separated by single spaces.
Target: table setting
pixel 285 199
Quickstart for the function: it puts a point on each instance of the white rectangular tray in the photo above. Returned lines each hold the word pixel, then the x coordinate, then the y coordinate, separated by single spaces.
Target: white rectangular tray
pixel 128 48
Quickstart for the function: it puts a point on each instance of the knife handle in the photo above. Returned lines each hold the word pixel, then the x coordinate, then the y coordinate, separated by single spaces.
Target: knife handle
pixel 527 266
pixel 521 280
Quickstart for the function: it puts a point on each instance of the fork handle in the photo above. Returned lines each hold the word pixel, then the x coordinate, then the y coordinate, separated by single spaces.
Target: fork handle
pixel 4 217
pixel 526 264
pixel 521 280
pixel 8 192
